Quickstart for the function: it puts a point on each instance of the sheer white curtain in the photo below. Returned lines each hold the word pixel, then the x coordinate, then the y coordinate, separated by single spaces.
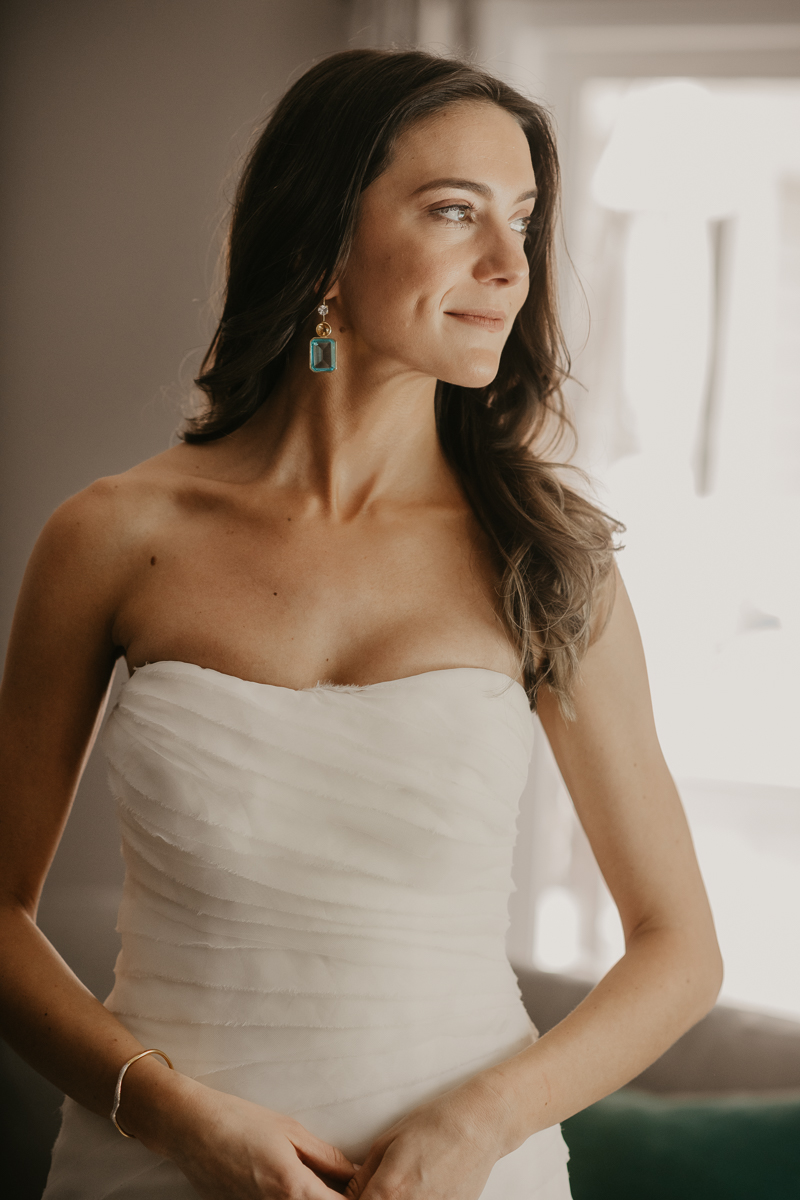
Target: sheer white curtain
pixel 706 176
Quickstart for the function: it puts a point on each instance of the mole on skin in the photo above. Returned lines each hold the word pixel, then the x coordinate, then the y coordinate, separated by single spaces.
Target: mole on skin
pixel 153 561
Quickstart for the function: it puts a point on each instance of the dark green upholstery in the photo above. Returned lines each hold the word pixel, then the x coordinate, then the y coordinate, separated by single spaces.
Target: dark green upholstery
pixel 638 1146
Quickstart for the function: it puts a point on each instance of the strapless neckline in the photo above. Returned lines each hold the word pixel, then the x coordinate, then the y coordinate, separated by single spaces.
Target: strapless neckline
pixel 323 686
pixel 315 905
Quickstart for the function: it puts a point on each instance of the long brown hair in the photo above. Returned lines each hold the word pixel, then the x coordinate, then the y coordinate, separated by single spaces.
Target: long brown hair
pixel 293 223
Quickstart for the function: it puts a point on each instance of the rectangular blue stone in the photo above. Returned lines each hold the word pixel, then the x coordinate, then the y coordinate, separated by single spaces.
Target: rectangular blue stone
pixel 322 354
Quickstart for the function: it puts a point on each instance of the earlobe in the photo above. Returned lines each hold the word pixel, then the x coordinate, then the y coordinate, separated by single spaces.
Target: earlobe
pixel 332 290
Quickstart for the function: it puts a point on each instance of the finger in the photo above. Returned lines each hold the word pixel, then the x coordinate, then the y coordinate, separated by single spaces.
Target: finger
pixel 379 1187
pixel 364 1173
pixel 303 1179
pixel 321 1156
pixel 315 1188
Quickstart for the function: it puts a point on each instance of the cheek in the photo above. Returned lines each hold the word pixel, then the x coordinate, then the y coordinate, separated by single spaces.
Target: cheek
pixel 390 283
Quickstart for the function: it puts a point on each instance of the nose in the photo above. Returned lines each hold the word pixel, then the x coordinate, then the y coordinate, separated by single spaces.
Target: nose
pixel 502 259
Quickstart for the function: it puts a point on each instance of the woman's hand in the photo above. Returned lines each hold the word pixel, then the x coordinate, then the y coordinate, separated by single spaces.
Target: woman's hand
pixel 232 1149
pixel 443 1150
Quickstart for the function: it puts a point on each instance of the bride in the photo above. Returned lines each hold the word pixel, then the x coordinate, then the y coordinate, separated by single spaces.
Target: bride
pixel 340 597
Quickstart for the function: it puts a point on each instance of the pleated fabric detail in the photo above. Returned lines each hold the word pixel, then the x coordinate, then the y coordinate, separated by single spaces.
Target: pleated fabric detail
pixel 316 902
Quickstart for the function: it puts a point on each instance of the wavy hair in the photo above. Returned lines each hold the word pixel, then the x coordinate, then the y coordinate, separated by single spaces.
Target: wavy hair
pixel 294 218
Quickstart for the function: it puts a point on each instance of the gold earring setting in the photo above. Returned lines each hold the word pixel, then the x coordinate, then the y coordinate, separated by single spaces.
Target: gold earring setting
pixel 322 348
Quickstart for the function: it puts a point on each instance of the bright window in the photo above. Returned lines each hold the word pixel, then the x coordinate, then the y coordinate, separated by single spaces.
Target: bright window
pixel 685 232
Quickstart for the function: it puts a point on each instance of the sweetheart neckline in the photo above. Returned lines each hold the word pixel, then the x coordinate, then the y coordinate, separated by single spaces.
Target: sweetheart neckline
pixel 322 687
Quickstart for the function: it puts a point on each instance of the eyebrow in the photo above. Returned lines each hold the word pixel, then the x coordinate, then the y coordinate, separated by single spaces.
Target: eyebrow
pixel 470 185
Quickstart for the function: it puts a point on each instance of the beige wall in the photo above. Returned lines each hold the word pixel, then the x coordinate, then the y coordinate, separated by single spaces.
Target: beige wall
pixel 123 121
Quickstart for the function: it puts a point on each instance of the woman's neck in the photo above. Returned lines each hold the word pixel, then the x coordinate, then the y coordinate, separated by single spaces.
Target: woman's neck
pixel 348 439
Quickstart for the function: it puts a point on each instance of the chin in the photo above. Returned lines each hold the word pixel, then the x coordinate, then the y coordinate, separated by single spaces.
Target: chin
pixel 472 375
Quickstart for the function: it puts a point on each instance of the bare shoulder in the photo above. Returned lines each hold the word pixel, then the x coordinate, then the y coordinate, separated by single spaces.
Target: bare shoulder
pixel 90 549
pixel 608 592
pixel 112 517
pixel 612 694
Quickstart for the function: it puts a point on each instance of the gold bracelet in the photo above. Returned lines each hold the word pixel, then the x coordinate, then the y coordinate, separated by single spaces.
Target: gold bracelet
pixel 121 1076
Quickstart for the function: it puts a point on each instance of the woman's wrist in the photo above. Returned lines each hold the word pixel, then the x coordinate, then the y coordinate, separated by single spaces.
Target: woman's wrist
pixel 497 1115
pixel 156 1105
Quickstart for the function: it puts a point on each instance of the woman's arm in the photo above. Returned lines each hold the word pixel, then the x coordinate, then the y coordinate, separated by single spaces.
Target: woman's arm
pixel 671 972
pixel 59 665
pixel 667 979
pixel 58 669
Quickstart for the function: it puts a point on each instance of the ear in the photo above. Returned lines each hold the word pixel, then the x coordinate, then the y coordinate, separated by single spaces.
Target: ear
pixel 333 289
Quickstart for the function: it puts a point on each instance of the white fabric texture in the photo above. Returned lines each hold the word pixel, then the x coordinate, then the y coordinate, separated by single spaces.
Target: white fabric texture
pixel 315 906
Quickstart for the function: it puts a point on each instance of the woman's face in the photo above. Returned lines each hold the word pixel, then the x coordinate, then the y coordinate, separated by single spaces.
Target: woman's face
pixel 438 270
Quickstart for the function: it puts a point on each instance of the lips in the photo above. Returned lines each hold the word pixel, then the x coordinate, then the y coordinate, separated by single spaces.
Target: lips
pixel 485 318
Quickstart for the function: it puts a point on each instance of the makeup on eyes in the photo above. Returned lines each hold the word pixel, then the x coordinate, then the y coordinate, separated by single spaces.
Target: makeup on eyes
pixel 466 208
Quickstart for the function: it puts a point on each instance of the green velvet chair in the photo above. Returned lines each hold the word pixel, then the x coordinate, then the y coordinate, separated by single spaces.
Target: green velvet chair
pixel 638 1146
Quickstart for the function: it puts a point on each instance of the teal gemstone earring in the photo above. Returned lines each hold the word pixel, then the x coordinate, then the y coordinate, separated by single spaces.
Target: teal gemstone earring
pixel 322 348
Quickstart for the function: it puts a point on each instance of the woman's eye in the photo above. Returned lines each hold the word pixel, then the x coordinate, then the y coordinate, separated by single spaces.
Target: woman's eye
pixel 462 214
pixel 458 214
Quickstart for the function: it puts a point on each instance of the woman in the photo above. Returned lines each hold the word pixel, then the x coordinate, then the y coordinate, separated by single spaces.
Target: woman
pixel 339 597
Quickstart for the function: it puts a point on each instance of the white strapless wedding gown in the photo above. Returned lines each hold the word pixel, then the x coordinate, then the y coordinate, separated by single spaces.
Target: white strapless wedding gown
pixel 315 906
